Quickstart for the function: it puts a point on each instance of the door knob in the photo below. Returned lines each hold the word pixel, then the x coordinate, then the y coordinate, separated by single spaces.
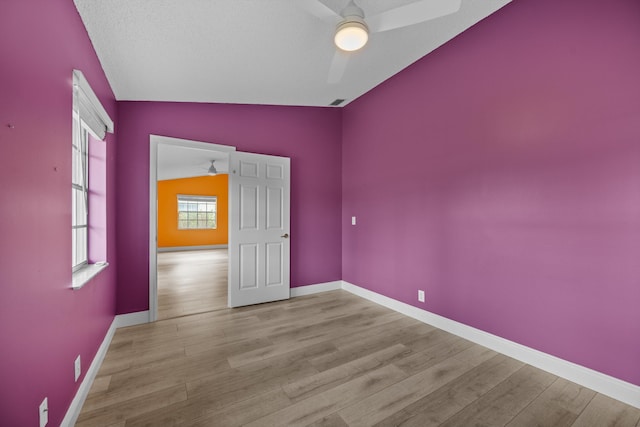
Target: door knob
pixel 285 235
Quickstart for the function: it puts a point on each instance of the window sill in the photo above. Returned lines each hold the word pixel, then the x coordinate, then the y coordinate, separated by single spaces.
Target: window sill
pixel 85 274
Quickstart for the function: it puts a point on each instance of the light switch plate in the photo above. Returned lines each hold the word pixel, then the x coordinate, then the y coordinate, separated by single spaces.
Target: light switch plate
pixel 353 220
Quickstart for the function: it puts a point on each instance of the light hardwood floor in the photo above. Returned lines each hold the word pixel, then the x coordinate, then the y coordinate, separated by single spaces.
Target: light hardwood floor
pixel 191 282
pixel 330 359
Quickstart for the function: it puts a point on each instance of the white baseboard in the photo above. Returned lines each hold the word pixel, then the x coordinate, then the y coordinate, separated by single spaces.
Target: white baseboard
pixel 76 404
pixel 605 384
pixel 131 319
pixel 119 321
pixel 191 248
pixel 314 289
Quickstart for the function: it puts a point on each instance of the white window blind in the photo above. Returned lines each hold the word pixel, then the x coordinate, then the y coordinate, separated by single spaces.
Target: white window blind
pixel 87 107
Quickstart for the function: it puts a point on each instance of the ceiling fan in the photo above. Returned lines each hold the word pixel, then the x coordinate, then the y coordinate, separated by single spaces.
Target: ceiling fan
pixel 353 28
pixel 211 170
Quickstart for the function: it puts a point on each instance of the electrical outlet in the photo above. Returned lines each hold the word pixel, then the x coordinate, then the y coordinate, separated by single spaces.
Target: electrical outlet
pixel 421 296
pixel 353 220
pixel 44 412
pixel 78 369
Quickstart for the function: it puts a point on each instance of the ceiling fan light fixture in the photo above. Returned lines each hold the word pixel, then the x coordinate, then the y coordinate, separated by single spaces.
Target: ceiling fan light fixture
pixel 212 169
pixel 352 34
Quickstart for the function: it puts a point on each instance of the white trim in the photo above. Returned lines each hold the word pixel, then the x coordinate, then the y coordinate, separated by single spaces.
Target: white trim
pixel 189 143
pixel 153 229
pixel 613 387
pixel 191 248
pixel 155 141
pixel 82 276
pixel 82 83
pixel 76 404
pixel 314 289
pixel 119 321
pixel 132 319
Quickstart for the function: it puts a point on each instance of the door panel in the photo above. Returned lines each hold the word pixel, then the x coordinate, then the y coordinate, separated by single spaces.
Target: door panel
pixel 259 246
pixel 248 266
pixel 275 172
pixel 248 210
pixel 274 264
pixel 249 169
pixel 274 208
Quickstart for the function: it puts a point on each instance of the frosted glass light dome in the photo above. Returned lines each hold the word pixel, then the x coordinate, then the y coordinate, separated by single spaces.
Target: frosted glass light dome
pixel 351 35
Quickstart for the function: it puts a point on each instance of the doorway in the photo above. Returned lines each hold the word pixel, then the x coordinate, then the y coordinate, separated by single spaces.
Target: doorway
pixel 258 211
pixel 184 278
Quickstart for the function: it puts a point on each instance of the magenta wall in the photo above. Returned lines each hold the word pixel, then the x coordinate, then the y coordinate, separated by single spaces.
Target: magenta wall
pixel 502 175
pixel 44 324
pixel 309 136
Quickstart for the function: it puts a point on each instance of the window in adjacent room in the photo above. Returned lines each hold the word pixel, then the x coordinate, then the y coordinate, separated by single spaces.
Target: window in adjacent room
pixel 196 212
pixel 88 182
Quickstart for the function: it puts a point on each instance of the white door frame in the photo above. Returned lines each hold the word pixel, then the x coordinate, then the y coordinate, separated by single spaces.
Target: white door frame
pixel 155 141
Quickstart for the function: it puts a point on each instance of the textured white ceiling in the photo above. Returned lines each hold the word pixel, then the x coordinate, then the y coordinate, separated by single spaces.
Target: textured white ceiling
pixel 252 51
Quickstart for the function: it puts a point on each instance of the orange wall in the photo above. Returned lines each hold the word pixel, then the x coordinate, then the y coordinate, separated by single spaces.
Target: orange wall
pixel 168 190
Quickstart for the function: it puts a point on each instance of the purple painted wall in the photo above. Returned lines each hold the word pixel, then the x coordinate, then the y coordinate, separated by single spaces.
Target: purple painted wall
pixel 310 136
pixel 501 174
pixel 44 324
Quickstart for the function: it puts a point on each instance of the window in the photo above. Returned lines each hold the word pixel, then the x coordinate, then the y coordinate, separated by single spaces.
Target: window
pixel 197 212
pixel 90 124
pixel 79 195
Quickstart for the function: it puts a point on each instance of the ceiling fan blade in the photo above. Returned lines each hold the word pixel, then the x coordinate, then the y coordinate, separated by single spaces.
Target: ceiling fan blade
pixel 413 13
pixel 338 65
pixel 318 9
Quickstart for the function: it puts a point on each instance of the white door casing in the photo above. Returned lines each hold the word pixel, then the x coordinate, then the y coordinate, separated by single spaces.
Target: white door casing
pixel 259 241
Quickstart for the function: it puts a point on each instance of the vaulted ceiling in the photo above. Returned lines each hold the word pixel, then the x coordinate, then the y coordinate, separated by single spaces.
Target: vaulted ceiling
pixel 275 52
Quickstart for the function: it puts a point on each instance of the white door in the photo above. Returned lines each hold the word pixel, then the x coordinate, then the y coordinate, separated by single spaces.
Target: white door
pixel 258 228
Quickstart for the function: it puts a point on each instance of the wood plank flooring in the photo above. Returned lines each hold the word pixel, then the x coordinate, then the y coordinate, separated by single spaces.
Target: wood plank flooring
pixel 191 282
pixel 329 359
